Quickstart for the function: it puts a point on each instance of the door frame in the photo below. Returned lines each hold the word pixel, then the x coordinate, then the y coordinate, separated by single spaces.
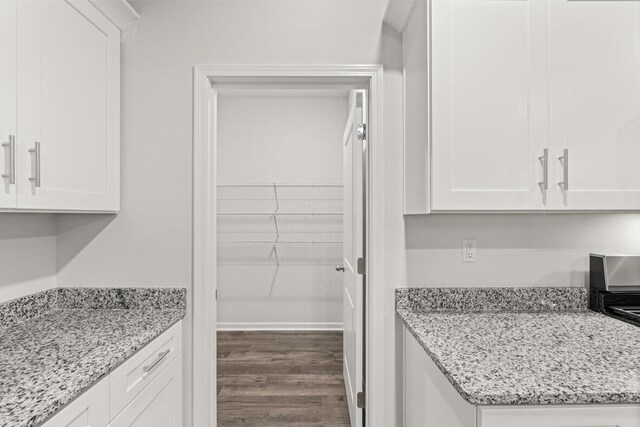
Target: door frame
pixel 204 229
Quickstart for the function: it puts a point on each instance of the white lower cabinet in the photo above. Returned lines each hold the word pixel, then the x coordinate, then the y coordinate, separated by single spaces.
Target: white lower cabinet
pixel 557 416
pixel 145 391
pixel 159 405
pixel 136 374
pixel 91 409
pixel 431 401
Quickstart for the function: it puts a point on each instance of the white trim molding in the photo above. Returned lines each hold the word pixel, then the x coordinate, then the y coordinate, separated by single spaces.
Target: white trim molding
pixel 279 326
pixel 119 12
pixel 204 225
pixel 399 13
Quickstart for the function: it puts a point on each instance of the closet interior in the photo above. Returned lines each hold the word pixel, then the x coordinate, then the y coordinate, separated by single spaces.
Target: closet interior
pixel 279 235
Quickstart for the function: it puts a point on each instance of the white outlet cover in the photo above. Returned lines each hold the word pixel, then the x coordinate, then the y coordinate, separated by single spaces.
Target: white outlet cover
pixel 469 250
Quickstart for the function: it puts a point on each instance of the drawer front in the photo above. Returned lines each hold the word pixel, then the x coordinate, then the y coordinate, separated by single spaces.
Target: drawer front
pixel 560 416
pixel 142 368
pixel 159 405
pixel 90 409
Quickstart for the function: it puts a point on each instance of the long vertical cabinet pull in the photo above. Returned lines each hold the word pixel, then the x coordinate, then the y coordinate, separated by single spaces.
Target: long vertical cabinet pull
pixel 564 159
pixel 11 173
pixel 36 177
pixel 544 162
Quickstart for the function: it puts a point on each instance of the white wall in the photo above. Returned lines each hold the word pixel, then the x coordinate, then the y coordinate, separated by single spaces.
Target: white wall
pixel 285 140
pixel 281 138
pixel 515 250
pixel 27 254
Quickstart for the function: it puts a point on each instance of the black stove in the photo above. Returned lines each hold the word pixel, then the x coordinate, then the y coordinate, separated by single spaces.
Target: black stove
pixel 614 286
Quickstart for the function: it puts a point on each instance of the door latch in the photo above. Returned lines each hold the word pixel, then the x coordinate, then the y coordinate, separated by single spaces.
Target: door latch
pixel 360 400
pixel 362 132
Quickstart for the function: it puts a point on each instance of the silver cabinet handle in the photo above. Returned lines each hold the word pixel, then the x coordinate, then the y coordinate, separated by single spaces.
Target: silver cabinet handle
pixel 340 268
pixel 36 178
pixel 148 368
pixel 11 173
pixel 564 159
pixel 544 161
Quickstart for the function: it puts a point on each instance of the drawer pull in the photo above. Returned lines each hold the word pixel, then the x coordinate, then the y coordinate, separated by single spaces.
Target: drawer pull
pixel 11 145
pixel 564 159
pixel 36 152
pixel 544 161
pixel 160 358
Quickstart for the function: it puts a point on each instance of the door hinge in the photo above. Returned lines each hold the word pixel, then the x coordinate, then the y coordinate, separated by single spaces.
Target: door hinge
pixel 360 399
pixel 362 266
pixel 362 132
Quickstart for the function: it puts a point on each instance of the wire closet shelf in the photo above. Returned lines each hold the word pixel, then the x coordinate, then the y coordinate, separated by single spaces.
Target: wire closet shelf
pixel 281 224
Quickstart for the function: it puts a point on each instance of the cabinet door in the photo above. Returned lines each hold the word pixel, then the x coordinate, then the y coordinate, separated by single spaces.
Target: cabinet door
pixel 8 73
pixel 429 398
pixel 68 102
pixel 489 109
pixel 90 409
pixel 595 102
pixel 136 373
pixel 159 405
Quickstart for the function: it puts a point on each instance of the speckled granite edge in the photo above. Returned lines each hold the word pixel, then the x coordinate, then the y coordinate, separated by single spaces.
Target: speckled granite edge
pixel 408 321
pixel 492 384
pixel 457 307
pixel 492 299
pixel 25 308
pixel 35 305
pixel 122 298
pixel 57 343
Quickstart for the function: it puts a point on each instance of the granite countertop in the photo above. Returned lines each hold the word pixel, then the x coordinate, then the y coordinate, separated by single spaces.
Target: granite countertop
pixel 524 346
pixel 56 344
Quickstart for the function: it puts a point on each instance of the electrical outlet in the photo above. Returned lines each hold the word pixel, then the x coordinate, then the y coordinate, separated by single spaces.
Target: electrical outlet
pixel 469 250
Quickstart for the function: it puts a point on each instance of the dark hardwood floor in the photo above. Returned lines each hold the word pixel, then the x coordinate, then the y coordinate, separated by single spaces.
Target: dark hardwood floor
pixel 281 379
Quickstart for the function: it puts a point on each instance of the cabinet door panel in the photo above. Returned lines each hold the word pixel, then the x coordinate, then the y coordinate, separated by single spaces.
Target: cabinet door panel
pixel 489 108
pixel 429 398
pixel 90 409
pixel 595 100
pixel 131 378
pixel 159 405
pixel 69 71
pixel 8 72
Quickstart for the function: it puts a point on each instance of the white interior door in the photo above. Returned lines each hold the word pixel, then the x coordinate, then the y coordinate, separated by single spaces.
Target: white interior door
pixel 353 284
pixel 8 73
pixel 489 104
pixel 68 82
pixel 595 103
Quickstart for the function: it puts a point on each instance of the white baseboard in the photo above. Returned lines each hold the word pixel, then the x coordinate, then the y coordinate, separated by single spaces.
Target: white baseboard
pixel 280 326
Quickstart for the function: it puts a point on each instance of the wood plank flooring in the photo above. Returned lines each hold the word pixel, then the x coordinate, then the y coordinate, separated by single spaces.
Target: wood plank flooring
pixel 281 379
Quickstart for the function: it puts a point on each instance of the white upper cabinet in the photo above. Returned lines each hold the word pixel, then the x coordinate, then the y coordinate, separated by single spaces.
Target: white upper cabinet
pixel 8 74
pixel 508 81
pixel 488 104
pixel 68 107
pixel 595 103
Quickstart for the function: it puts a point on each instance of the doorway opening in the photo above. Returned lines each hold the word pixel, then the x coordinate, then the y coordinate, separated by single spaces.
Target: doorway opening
pixel 283 298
